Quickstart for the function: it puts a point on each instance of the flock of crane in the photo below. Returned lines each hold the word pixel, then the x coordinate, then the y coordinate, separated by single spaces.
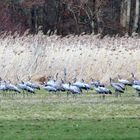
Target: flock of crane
pixel 74 88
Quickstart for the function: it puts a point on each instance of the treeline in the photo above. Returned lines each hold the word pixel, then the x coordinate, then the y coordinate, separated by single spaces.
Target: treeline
pixel 65 17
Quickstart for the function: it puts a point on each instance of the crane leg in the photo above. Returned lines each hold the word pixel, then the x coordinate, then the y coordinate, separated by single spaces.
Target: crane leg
pixel 12 95
pixel 23 94
pixel 7 93
pixel 120 94
pixel 103 96
pixel 4 94
pixel 27 93
pixel 74 96
pixel 139 94
pixel 15 93
pixel 116 94
pixel 59 93
pixel 67 95
pixel 126 87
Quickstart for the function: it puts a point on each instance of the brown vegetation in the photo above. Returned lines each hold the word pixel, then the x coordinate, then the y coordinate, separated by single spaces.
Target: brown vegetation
pixel 71 16
pixel 86 57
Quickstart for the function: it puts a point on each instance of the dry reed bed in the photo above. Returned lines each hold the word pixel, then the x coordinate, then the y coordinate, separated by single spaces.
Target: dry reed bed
pixel 84 56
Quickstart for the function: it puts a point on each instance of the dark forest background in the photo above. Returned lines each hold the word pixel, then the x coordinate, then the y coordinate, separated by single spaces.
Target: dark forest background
pixel 63 17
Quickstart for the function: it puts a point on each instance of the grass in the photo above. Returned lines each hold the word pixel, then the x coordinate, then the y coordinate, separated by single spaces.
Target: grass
pixel 71 129
pixel 48 116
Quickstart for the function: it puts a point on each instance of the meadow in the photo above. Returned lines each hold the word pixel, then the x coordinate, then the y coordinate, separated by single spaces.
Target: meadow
pixel 49 116
pixel 46 116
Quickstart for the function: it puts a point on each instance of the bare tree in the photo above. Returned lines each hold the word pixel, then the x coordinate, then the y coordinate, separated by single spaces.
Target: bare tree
pixel 137 10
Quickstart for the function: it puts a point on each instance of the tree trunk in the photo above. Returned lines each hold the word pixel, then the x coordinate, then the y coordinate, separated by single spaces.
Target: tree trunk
pixel 95 27
pixel 138 30
pixel 128 14
pixel 132 16
pixel 135 27
pixel 123 13
pixel 33 20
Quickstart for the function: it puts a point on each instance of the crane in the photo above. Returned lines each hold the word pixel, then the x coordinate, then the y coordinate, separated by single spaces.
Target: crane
pixel 81 85
pixel 74 89
pixel 137 88
pixel 135 81
pixel 102 90
pixel 96 83
pixel 26 88
pixel 124 81
pixel 119 87
pixel 32 85
pixel 50 89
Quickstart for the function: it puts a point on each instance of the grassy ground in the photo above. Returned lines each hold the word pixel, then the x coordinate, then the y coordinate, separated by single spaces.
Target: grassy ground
pixel 110 129
pixel 47 116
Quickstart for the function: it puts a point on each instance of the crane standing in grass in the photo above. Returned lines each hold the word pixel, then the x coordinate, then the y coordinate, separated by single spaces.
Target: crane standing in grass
pixel 3 87
pixel 65 87
pixel 74 89
pixel 52 86
pixel 119 87
pixel 124 81
pixel 50 89
pixel 96 83
pixel 11 87
pixel 82 85
pixel 102 90
pixel 71 89
pixel 135 81
pixel 26 88
pixel 136 84
pixel 137 88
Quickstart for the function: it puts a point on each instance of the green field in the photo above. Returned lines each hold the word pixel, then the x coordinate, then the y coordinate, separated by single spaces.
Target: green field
pixel 46 116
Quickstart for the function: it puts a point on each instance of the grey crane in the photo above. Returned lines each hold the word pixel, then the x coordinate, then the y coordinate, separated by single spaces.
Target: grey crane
pixel 8 87
pixel 26 88
pixel 74 89
pixel 102 90
pixel 124 81
pixel 96 83
pixel 137 88
pixel 11 87
pixel 50 89
pixel 82 85
pixel 3 87
pixel 65 86
pixel 32 85
pixel 135 81
pixel 119 87
pixel 54 84
pixel 29 83
pixel 87 86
